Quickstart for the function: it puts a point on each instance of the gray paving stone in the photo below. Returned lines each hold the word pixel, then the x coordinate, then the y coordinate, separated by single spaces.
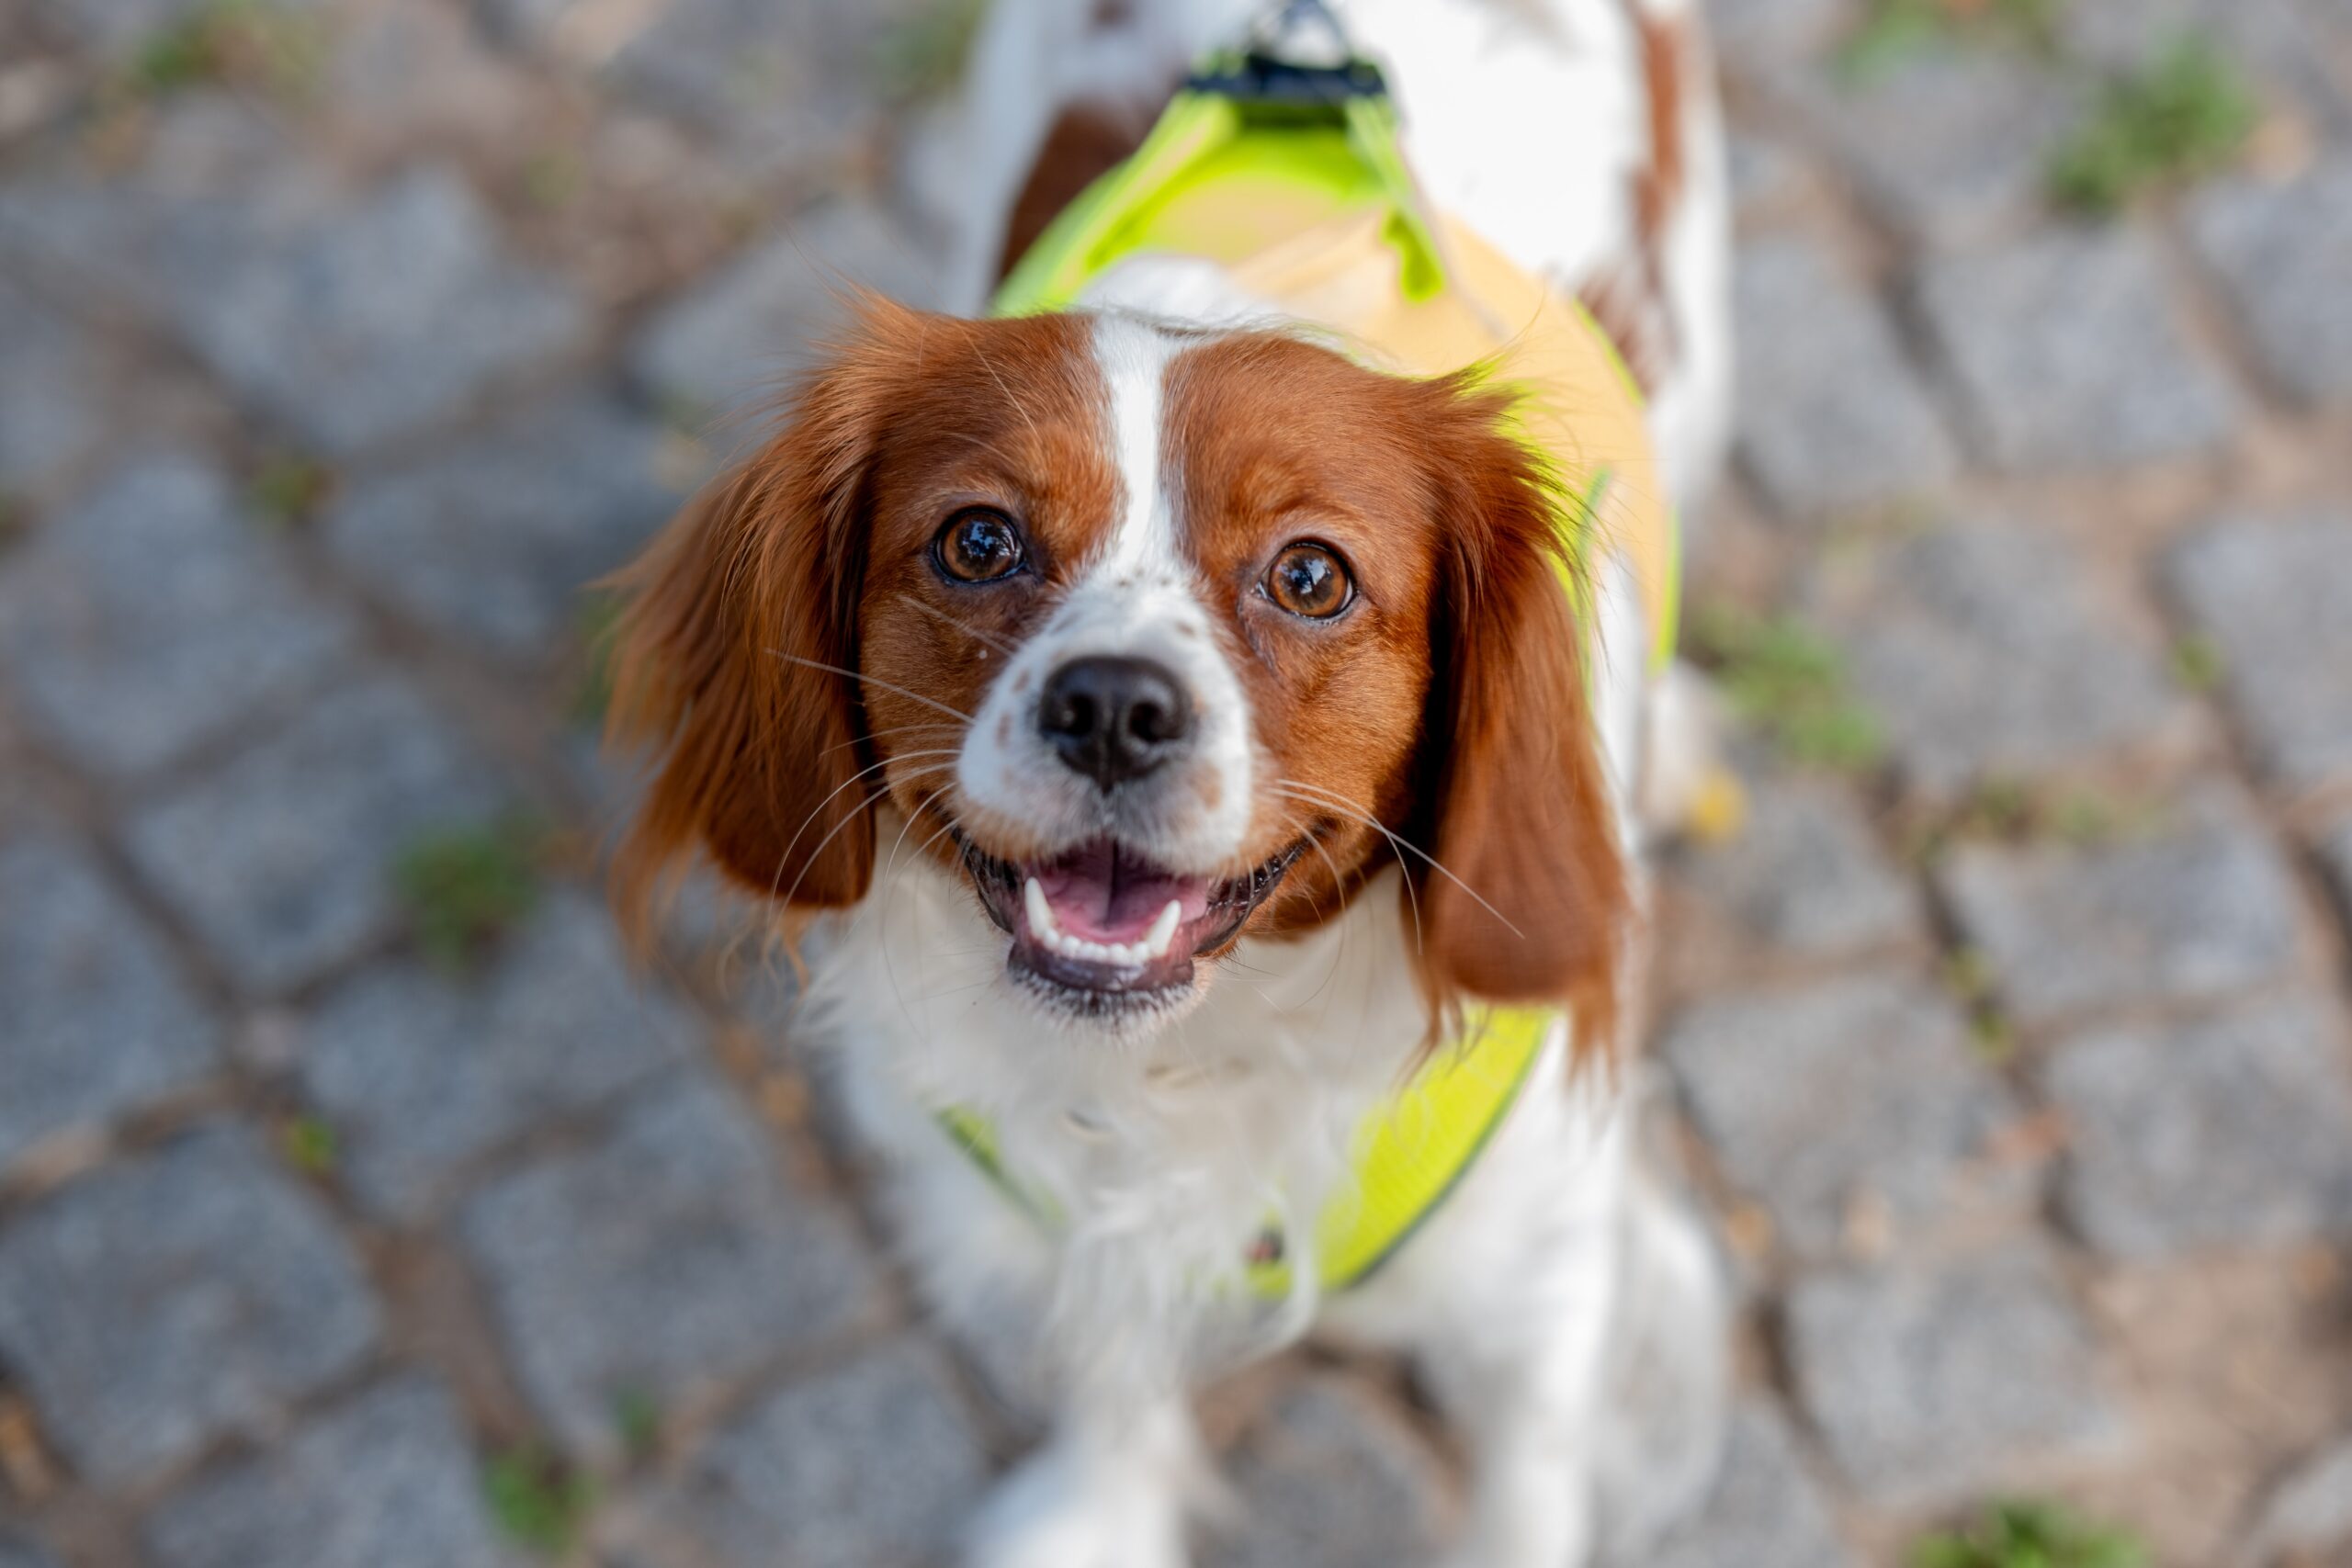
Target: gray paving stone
pixel 495 539
pixel 1764 173
pixel 1843 1094
pixel 387 1481
pixel 106 239
pixel 870 1464
pixel 15 1551
pixel 155 1306
pixel 351 317
pixel 423 1074
pixel 155 616
pixel 120 28
pixel 2275 594
pixel 1831 418
pixel 729 344
pixel 777 84
pixel 2282 253
pixel 663 1263
pixel 1951 146
pixel 404 75
pixel 358 320
pixel 1748 32
pixel 1929 1382
pixel 2306 1522
pixel 1804 875
pixel 99 1019
pixel 997 1336
pixel 1331 1479
pixel 2200 909
pixel 49 383
pixel 1764 1511
pixel 2336 866
pixel 2065 352
pixel 279 859
pixel 1987 651
pixel 2231 1132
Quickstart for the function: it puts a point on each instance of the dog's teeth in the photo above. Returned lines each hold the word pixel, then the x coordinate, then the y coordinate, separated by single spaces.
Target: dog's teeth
pixel 1156 940
pixel 1151 945
pixel 1041 913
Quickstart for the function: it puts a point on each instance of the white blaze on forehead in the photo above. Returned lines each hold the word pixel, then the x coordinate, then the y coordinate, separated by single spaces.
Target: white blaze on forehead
pixel 1133 356
pixel 1135 595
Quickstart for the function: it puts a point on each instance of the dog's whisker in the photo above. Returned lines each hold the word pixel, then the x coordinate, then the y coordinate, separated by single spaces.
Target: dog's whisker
pixel 1336 801
pixel 1412 895
pixel 848 817
pixel 983 639
pixel 1301 828
pixel 815 811
pixel 1338 886
pixel 860 676
pixel 864 805
pixel 890 730
pixel 879 913
pixel 891 866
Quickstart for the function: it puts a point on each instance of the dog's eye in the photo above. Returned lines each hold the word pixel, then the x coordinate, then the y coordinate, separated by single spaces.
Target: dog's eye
pixel 1309 580
pixel 979 546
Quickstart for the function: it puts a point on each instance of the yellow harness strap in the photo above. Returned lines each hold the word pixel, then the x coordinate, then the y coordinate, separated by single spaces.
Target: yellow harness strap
pixel 1414 1149
pixel 1407 1155
pixel 1302 195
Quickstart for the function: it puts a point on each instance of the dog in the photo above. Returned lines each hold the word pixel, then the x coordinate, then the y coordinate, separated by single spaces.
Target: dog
pixel 1207 771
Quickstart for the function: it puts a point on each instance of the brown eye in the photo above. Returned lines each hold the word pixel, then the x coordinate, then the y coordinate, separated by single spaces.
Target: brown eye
pixel 979 547
pixel 1309 580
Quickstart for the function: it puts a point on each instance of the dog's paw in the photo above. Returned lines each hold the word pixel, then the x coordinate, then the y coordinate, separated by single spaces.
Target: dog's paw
pixel 1061 1511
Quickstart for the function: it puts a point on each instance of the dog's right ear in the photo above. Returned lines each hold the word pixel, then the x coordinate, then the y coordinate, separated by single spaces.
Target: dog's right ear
pixel 726 663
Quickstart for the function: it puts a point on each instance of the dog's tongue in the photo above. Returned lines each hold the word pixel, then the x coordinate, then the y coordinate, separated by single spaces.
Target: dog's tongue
pixel 1108 894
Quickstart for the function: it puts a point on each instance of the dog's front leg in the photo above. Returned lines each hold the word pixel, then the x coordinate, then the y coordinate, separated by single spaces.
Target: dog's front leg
pixel 1507 1302
pixel 1525 1397
pixel 1108 1490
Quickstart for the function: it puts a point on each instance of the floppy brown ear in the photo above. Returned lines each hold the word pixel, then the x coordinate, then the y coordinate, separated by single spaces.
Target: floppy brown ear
pixel 757 753
pixel 1517 808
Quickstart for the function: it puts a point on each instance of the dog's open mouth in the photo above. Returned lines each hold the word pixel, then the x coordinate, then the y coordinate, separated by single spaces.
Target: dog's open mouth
pixel 1105 922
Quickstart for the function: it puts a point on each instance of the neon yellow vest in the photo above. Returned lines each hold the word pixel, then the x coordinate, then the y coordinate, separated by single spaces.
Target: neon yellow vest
pixel 1309 206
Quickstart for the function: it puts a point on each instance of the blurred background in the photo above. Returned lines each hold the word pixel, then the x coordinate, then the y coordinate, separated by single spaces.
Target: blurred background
pixel 360 1210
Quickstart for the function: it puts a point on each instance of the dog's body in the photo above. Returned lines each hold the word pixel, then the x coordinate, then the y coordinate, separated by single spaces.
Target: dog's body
pixel 1581 137
pixel 1154 1122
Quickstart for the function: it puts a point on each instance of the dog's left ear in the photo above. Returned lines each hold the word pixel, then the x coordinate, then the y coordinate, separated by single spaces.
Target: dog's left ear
pixel 729 663
pixel 1517 806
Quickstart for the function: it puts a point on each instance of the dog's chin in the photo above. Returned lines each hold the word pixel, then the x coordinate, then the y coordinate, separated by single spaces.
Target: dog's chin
pixel 1087 1010
pixel 1102 936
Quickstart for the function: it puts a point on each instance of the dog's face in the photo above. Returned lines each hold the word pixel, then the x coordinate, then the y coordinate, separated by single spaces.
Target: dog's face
pixel 1157 638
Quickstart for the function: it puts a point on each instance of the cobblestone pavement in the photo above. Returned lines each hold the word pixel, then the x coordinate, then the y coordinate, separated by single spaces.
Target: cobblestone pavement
pixel 342 340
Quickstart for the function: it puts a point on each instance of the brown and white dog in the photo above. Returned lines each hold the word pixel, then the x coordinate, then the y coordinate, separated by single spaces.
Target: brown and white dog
pixel 1174 722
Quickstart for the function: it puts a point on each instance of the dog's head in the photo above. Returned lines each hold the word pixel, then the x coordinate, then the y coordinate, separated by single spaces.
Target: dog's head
pixel 1157 638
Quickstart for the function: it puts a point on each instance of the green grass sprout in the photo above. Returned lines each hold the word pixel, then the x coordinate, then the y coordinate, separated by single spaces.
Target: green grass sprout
pixel 1782 677
pixel 241 43
pixel 538 1500
pixel 465 887
pixel 2185 114
pixel 2030 1535
pixel 1892 33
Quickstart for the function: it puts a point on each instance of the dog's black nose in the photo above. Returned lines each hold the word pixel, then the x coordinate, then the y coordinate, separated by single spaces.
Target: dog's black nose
pixel 1115 719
